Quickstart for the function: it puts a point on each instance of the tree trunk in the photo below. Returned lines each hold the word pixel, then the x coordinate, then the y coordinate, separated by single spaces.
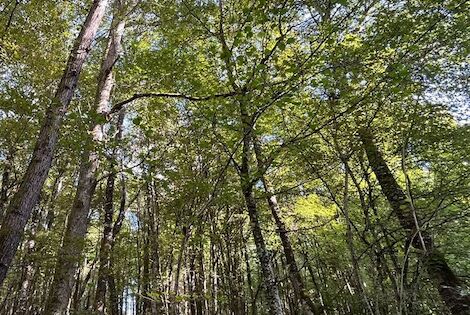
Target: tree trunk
pixel 146 307
pixel 446 282
pixel 200 309
pixel 184 241
pixel 26 197
pixel 356 276
pixel 107 239
pixel 26 301
pixel 56 188
pixel 113 295
pixel 294 273
pixel 7 167
pixel 28 268
pixel 155 263
pixel 105 247
pixel 269 280
pixel 191 279
pixel 249 280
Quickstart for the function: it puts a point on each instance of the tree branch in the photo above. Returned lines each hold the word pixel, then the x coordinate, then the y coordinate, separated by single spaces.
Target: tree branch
pixel 137 96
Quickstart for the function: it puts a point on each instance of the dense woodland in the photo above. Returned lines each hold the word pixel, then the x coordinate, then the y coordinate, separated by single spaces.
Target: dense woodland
pixel 234 157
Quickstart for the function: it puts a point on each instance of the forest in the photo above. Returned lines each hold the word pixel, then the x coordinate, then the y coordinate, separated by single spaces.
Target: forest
pixel 193 157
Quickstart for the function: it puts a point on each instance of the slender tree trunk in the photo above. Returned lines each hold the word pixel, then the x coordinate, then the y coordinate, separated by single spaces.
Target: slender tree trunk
pixel 5 182
pixel 28 268
pixel 350 241
pixel 77 290
pixel 105 247
pixel 108 235
pixel 446 282
pixel 26 197
pixel 213 279
pixel 146 275
pixel 81 283
pixel 113 295
pixel 269 280
pixel 179 264
pixel 24 302
pixel 155 262
pixel 199 278
pixel 378 250
pixel 192 280
pixel 249 280
pixel 151 267
pixel 140 238
pixel 56 188
pixel 294 273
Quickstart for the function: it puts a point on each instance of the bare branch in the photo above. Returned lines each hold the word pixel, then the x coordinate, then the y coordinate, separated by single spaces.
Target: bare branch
pixel 137 96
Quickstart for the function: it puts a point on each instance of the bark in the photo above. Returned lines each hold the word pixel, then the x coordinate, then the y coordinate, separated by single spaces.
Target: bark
pixel 109 231
pixel 192 281
pixel 56 188
pixel 113 295
pixel 269 280
pixel 199 278
pixel 77 224
pixel 213 279
pixel 70 253
pixel 249 281
pixel 446 282
pixel 5 182
pixel 28 268
pixel 155 263
pixel 26 197
pixel 146 276
pixel 294 273
pixel 184 241
pixel 151 261
pixel 108 237
pixel 105 247
pixel 357 280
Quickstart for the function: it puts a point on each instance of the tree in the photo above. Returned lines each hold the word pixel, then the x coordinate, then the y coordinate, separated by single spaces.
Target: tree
pixel 24 200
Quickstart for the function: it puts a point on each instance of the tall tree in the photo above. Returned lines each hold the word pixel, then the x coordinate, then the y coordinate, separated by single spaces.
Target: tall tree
pixel 294 272
pixel 77 223
pixel 445 280
pixel 26 197
pixel 110 230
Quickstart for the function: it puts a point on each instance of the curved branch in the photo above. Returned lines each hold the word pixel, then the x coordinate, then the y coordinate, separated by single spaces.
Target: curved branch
pixel 137 96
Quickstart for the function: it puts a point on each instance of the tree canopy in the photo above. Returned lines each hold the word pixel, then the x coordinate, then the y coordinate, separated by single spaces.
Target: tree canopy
pixel 234 157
